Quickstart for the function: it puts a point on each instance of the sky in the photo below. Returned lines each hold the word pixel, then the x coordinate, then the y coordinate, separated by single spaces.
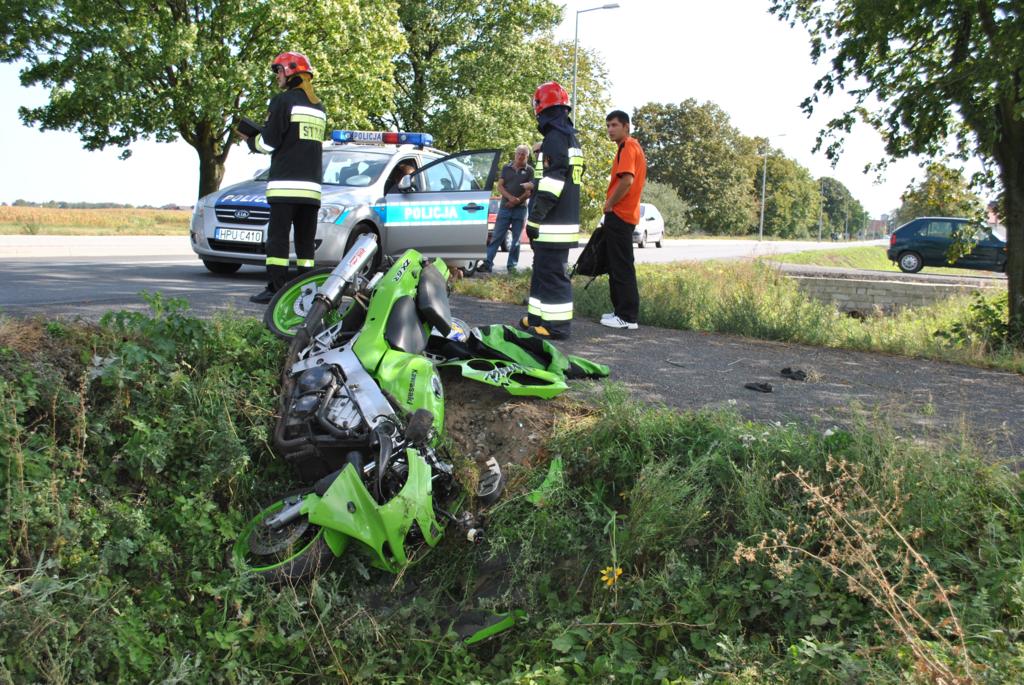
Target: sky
pixel 730 52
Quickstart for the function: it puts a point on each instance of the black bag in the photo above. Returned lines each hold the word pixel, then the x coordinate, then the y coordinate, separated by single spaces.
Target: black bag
pixel 593 261
pixel 249 127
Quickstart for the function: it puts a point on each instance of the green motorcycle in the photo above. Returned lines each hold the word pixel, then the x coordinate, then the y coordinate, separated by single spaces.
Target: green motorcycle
pixel 361 415
pixel 362 419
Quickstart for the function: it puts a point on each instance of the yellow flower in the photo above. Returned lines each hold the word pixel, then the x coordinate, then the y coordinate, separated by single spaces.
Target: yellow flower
pixel 610 575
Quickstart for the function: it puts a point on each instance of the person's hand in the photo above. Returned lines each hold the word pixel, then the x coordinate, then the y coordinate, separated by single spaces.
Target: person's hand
pixel 528 187
pixel 244 137
pixel 607 207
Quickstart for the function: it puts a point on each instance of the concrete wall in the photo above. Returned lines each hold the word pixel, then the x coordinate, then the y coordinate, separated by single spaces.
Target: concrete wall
pixel 850 294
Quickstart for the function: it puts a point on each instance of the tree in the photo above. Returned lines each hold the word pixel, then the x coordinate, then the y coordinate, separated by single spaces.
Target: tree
pixel 942 71
pixel 189 70
pixel 792 199
pixel 841 211
pixel 695 149
pixel 673 210
pixel 943 192
pixel 468 76
pixel 589 120
pixel 470 68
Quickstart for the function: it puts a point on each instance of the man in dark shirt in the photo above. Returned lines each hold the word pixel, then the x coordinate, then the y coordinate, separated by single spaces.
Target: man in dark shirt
pixel 512 211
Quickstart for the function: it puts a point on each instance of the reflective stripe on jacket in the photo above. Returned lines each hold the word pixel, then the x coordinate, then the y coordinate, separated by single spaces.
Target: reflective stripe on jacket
pixel 293 136
pixel 554 219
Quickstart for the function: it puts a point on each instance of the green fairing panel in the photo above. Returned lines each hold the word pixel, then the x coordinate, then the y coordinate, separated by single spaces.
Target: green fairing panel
pixel 348 510
pixel 412 381
pixel 372 343
pixel 494 337
pixel 515 379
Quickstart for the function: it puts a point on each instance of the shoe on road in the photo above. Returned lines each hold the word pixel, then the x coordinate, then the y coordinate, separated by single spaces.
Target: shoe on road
pixel 484 268
pixel 607 315
pixel 793 374
pixel 264 297
pixel 615 322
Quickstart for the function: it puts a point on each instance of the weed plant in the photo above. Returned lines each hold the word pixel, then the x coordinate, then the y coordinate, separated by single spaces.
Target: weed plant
pixel 132 452
pixel 757 301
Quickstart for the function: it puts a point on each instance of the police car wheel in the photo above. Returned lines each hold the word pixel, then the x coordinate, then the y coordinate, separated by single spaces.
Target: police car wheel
pixel 221 267
pixel 468 268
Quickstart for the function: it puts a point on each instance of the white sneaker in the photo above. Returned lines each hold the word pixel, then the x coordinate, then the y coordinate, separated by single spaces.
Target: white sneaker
pixel 616 322
pixel 609 315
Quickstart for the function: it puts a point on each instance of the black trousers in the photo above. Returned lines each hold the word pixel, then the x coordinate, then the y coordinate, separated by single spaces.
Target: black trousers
pixel 550 303
pixel 283 215
pixel 621 271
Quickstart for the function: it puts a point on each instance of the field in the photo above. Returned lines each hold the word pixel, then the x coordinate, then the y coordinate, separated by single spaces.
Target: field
pixel 53 221
pixel 870 258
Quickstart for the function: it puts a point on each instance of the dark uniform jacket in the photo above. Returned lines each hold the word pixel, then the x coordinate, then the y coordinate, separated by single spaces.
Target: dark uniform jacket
pixel 293 136
pixel 554 219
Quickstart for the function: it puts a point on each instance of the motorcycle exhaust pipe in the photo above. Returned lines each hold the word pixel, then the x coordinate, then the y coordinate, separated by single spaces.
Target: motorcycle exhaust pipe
pixel 354 261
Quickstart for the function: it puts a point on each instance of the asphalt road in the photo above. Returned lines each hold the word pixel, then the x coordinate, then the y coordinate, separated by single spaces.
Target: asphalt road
pixel 921 400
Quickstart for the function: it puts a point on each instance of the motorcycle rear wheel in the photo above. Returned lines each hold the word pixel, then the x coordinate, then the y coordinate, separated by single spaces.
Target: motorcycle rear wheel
pixel 289 306
pixel 296 552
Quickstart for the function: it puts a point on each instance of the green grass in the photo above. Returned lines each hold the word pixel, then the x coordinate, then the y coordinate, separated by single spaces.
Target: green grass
pixel 870 258
pixel 754 300
pixel 132 452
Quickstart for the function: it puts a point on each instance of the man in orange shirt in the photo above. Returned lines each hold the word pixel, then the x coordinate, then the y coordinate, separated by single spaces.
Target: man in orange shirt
pixel 621 215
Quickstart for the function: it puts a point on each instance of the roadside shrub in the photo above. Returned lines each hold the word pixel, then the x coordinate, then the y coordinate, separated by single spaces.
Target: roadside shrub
pixel 673 209
pixel 986 324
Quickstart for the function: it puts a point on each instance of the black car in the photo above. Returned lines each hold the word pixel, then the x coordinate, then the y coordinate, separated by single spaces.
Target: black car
pixel 925 241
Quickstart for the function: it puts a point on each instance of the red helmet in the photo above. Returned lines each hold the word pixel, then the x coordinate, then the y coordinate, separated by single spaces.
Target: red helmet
pixel 548 95
pixel 291 63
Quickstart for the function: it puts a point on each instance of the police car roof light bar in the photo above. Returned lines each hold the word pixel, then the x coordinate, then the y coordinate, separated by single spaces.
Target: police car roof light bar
pixel 383 137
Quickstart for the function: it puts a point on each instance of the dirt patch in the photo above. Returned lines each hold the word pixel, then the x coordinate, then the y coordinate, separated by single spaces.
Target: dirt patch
pixel 484 422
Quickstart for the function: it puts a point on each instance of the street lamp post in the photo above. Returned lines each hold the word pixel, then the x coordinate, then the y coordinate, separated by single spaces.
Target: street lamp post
pixel 764 184
pixel 821 205
pixel 576 45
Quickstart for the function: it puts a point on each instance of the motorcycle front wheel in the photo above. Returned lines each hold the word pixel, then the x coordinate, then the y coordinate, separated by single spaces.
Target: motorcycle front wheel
pixel 295 552
pixel 290 305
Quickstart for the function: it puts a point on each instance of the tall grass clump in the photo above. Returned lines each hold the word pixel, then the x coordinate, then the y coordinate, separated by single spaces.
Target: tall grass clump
pixel 756 300
pixel 696 511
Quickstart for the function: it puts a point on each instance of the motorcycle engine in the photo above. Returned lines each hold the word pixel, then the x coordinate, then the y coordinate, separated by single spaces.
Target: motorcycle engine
pixel 323 400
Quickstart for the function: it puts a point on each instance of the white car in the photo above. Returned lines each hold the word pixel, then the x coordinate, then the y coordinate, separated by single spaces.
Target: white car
pixel 440 209
pixel 651 228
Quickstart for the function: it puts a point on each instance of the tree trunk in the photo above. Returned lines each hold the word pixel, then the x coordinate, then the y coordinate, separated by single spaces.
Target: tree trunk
pixel 211 170
pixel 212 151
pixel 1014 206
pixel 1009 154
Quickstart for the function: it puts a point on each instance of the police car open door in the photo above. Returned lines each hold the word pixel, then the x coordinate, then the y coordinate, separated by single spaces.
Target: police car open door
pixel 447 200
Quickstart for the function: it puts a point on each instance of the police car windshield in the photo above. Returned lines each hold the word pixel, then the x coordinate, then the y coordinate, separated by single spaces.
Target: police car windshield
pixel 353 168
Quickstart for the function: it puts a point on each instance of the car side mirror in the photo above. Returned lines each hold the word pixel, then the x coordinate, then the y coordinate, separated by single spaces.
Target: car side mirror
pixel 405 183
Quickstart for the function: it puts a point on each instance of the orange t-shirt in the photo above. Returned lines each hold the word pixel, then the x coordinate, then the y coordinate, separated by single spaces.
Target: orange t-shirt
pixel 629 160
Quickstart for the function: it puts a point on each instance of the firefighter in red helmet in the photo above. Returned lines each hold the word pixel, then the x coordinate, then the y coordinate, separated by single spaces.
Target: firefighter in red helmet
pixel 554 220
pixel 293 136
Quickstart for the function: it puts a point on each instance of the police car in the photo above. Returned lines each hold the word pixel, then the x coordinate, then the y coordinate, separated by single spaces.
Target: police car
pixel 440 208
